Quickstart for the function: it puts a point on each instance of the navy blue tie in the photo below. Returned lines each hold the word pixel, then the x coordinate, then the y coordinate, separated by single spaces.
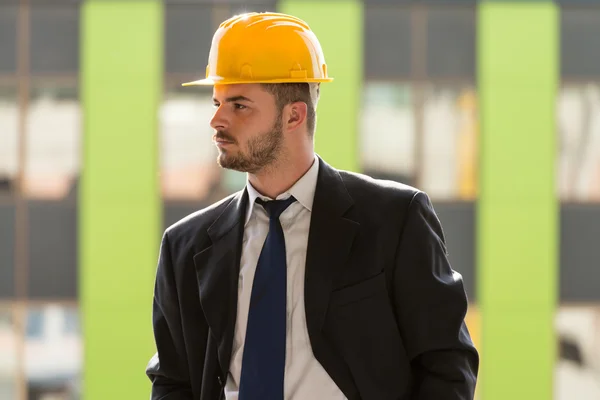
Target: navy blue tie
pixel 263 362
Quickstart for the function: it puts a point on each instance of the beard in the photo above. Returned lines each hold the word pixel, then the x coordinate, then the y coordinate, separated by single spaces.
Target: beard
pixel 262 151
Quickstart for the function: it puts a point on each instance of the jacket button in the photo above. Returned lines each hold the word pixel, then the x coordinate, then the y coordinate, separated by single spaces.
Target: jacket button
pixel 220 380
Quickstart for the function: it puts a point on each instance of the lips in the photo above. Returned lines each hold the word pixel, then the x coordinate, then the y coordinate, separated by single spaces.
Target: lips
pixel 218 139
pixel 222 142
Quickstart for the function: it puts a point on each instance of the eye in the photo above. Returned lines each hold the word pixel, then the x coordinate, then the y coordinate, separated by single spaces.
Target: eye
pixel 216 105
pixel 239 106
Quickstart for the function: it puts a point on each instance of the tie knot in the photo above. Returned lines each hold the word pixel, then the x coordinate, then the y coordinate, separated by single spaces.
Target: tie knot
pixel 276 207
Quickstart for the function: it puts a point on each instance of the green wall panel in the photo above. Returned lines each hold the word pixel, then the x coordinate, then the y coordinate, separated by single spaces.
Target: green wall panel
pixel 339 27
pixel 121 80
pixel 518 212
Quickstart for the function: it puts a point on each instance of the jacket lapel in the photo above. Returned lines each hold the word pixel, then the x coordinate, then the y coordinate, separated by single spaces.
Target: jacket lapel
pixel 217 270
pixel 329 244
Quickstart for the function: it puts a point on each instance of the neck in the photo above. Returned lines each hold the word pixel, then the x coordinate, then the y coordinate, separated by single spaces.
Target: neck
pixel 279 177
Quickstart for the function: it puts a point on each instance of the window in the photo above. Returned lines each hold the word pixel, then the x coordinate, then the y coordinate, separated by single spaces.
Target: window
pixel 579 233
pixel 189 169
pixel 449 109
pixel 578 334
pixel 8 355
pixel 53 362
pixel 188 158
pixel 8 38
pixel 54 45
pixel 450 142
pixel 53 141
pixel 9 138
pixel 387 132
pixel 189 31
pixel 453 2
pixel 579 142
pixel 387 47
pixel 52 242
pixel 34 329
pixel 578 121
pixel 580 43
pixel 7 249
pixel 231 3
pixel 419 117
pixel 71 322
pixel 451 42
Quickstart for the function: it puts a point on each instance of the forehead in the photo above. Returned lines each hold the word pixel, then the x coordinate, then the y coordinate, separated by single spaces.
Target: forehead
pixel 254 92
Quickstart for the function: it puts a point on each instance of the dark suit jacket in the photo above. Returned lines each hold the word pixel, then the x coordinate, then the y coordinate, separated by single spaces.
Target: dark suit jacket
pixel 385 311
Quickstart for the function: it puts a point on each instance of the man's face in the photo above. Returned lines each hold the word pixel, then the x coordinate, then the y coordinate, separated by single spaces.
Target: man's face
pixel 248 127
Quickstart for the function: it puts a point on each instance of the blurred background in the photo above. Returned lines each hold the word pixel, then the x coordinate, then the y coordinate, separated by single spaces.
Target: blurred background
pixel 415 81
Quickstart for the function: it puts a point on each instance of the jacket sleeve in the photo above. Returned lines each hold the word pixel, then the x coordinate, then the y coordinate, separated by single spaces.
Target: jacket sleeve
pixel 430 304
pixel 168 368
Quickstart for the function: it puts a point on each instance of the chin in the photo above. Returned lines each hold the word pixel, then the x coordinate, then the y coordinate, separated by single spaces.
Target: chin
pixel 222 160
pixel 228 163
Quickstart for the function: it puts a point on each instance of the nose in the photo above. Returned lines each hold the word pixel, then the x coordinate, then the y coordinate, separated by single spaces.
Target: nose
pixel 219 120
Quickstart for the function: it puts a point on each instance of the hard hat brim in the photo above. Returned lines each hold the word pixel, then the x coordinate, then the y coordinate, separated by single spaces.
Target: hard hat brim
pixel 212 82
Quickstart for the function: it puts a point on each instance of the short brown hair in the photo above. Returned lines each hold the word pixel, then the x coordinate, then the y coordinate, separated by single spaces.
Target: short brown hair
pixel 287 93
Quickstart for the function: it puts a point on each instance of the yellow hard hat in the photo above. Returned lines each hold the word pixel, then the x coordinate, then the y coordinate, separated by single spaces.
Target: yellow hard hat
pixel 264 48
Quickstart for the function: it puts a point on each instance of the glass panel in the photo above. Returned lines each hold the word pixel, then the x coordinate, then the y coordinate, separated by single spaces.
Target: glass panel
pixel 387 132
pixel 189 170
pixel 578 251
pixel 54 39
pixel 52 229
pixel 580 42
pixel 55 2
pixel 451 130
pixel 8 355
pixel 578 2
pixel 53 142
pixel 8 38
pixel 387 42
pixel 421 1
pixel 9 138
pixel 189 31
pixel 7 249
pixel 35 324
pixel 451 42
pixel 53 353
pixel 209 2
pixel 577 372
pixel 579 145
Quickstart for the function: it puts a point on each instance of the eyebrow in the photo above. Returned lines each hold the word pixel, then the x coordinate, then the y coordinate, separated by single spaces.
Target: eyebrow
pixel 234 99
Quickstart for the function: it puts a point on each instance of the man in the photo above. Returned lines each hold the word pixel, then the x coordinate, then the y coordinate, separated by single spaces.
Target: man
pixel 311 283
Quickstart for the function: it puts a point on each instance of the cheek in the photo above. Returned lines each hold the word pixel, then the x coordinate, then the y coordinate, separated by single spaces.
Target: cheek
pixel 249 126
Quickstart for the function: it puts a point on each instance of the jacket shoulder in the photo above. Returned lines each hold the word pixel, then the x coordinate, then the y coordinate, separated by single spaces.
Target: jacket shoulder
pixel 199 221
pixel 373 191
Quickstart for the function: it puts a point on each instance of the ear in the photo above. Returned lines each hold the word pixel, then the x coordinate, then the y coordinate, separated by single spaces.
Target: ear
pixel 295 115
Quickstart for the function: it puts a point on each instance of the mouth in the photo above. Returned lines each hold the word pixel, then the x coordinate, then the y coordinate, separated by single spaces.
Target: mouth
pixel 222 142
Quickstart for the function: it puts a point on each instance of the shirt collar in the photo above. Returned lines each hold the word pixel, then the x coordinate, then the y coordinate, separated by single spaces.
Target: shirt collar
pixel 303 191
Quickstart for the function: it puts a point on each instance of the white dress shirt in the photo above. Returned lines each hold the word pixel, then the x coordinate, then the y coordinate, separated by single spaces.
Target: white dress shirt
pixel 305 378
